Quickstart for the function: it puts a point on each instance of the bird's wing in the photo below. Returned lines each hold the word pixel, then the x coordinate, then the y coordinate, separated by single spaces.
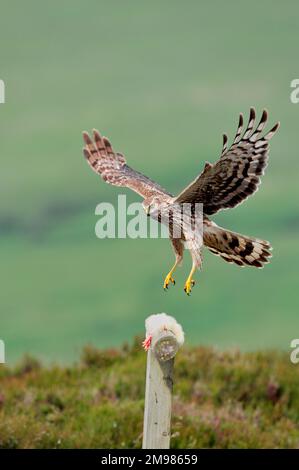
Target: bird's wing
pixel 113 168
pixel 236 175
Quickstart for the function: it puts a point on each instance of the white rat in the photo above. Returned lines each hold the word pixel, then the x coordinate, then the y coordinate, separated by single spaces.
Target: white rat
pixel 159 322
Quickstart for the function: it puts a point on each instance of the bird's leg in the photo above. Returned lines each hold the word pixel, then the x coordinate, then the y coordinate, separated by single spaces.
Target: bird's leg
pixel 178 250
pixel 169 277
pixel 190 282
pixel 196 263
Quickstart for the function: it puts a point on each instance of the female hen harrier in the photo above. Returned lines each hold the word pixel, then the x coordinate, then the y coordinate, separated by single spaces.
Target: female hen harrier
pixel 226 183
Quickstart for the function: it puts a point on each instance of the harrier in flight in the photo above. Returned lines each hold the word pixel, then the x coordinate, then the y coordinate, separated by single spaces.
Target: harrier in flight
pixel 221 185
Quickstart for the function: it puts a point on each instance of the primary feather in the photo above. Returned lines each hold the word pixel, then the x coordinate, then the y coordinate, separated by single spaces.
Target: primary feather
pixel 236 175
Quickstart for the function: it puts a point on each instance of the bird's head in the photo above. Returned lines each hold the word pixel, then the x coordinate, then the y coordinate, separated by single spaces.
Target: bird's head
pixel 151 204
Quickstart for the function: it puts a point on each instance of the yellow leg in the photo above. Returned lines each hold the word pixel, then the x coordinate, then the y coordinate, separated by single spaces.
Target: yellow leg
pixel 169 277
pixel 190 282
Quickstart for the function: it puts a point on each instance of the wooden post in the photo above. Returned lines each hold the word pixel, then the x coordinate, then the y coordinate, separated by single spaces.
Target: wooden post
pixel 158 392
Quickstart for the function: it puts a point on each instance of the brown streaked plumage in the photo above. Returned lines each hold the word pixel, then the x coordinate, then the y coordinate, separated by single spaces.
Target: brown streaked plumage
pixel 222 185
pixel 236 175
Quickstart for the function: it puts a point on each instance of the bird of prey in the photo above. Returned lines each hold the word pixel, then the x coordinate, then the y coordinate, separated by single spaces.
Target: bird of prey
pixel 221 185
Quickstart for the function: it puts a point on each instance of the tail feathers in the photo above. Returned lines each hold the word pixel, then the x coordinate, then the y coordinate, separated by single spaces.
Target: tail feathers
pixel 236 248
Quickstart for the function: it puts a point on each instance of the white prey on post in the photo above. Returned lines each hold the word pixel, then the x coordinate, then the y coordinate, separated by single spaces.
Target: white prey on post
pixel 164 336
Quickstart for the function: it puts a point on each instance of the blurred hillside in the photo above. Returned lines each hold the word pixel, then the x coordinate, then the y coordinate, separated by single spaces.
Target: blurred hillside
pixel 163 80
pixel 221 400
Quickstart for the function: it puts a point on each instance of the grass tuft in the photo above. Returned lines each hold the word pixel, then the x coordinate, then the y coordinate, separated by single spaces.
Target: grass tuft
pixel 221 400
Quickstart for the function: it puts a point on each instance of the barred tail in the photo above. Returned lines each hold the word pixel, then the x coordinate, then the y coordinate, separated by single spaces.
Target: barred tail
pixel 236 248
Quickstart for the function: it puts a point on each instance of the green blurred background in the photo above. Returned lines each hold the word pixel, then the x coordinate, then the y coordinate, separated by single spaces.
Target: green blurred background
pixel 163 80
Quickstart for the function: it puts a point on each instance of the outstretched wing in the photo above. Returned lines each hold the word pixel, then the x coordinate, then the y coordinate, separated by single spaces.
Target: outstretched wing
pixel 113 168
pixel 236 175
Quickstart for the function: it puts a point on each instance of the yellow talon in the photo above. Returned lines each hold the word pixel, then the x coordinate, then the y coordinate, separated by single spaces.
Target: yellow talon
pixel 188 286
pixel 190 282
pixel 167 280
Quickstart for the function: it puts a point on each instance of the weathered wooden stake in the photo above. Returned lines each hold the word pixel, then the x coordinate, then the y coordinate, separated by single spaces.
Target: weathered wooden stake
pixel 159 384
